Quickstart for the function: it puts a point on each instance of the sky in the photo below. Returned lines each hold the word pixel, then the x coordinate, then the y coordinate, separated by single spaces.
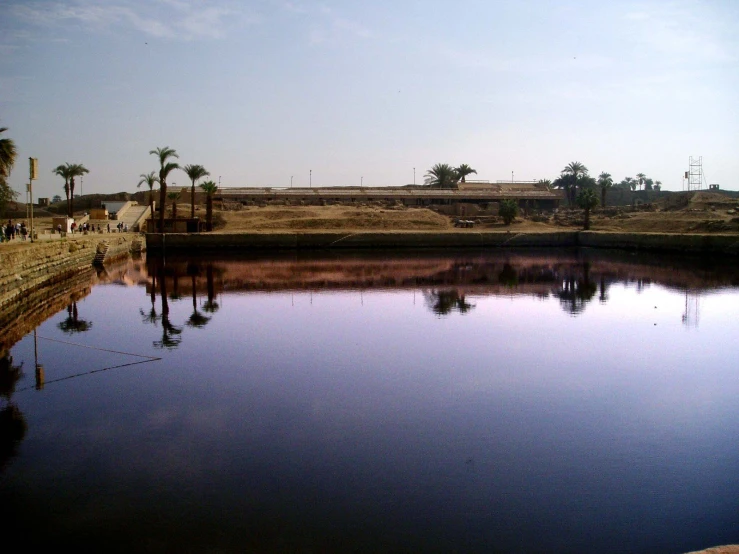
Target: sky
pixel 269 92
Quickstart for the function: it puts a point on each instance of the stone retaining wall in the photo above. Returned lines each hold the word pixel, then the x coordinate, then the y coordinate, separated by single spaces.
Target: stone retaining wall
pixel 658 242
pixel 44 263
pixel 329 240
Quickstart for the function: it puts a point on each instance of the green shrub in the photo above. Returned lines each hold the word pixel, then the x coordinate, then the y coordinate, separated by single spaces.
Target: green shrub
pixel 508 211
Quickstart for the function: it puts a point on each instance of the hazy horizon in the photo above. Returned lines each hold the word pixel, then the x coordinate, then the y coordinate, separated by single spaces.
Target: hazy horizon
pixel 262 91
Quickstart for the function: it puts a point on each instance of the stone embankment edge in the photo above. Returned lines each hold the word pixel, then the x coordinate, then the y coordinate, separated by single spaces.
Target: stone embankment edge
pixel 658 242
pixel 26 270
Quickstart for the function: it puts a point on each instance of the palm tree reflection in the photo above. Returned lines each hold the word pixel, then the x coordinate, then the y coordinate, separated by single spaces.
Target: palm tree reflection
pixel 73 324
pixel 196 318
pixel 12 422
pixel 576 292
pixel 170 333
pixel 211 306
pixel 443 302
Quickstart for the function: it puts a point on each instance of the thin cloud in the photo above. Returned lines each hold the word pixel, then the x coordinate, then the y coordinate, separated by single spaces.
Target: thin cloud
pixel 678 34
pixel 172 19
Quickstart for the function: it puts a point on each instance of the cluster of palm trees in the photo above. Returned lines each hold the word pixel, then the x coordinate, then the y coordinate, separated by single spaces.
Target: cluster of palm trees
pixel 194 172
pixel 641 181
pixel 69 172
pixel 445 176
pixel 576 182
pixel 8 155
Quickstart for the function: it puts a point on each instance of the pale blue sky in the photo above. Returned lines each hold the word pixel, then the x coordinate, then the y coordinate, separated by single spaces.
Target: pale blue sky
pixel 263 90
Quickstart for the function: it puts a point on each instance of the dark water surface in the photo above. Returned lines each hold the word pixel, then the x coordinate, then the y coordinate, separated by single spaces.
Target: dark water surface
pixel 501 402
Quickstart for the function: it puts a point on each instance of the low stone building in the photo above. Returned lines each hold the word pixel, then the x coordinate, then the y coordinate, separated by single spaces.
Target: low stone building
pixel 528 195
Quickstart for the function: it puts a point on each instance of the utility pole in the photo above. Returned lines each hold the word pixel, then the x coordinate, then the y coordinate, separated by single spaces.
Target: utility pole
pixel 310 178
pixel 291 181
pixel 32 174
pixel 414 175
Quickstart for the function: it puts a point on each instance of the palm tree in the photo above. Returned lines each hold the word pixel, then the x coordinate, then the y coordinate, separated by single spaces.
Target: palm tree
pixel 195 172
pixel 165 168
pixel 443 176
pixel 658 185
pixel 73 170
pixel 210 189
pixel 149 179
pixel 605 182
pixel 576 171
pixel 8 154
pixel 587 200
pixel 173 196
pixel 63 172
pixel 463 170
pixel 640 179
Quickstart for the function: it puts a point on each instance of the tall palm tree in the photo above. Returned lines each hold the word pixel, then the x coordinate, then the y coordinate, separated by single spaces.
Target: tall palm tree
pixel 443 176
pixel 210 189
pixel 640 179
pixel 8 155
pixel 63 172
pixel 194 172
pixel 149 179
pixel 658 185
pixel 74 170
pixel 605 182
pixel 165 168
pixel 577 171
pixel 463 170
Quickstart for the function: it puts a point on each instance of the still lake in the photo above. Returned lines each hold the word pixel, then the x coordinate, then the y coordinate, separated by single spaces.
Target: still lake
pixel 500 401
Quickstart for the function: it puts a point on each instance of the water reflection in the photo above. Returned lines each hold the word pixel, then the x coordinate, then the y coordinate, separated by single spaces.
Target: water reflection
pixel 73 323
pixel 328 424
pixel 575 278
pixel 12 422
pixel 171 334
pixel 443 302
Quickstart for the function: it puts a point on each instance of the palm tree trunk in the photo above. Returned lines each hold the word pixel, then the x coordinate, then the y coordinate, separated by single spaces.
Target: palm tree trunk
pixel 162 201
pixel 71 197
pixel 151 207
pixel 192 201
pixel 209 213
pixel 587 219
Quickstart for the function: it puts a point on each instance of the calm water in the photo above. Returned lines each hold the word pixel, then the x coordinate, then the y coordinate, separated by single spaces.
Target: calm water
pixel 500 402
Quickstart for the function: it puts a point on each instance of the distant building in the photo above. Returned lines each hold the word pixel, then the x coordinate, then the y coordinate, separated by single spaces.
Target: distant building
pixel 482 193
pixel 713 187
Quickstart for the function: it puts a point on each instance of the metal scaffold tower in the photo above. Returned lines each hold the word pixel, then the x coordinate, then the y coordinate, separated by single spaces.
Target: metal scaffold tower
pixel 694 176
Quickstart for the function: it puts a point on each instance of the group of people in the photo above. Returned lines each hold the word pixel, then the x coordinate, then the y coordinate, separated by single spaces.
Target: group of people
pixel 11 231
pixel 92 228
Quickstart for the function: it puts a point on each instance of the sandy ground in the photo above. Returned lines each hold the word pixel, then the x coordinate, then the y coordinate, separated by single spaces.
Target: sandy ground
pixel 705 213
